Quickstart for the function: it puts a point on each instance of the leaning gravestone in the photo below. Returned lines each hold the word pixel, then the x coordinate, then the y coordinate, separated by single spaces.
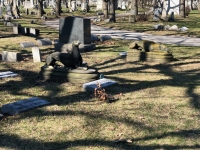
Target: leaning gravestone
pixel 23 105
pixel 36 54
pixel 92 85
pixel 74 29
pixel 7 74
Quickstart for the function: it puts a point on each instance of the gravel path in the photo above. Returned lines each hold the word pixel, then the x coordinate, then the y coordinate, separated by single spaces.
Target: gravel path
pixel 122 34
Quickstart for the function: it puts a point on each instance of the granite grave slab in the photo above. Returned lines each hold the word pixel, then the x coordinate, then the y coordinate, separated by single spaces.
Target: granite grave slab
pixel 23 105
pixel 90 86
pixel 7 74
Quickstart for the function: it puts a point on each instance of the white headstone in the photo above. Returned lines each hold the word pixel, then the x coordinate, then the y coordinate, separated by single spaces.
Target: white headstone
pixel 36 54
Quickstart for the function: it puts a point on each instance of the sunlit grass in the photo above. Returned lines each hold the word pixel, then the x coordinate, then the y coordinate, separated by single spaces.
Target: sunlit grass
pixel 158 106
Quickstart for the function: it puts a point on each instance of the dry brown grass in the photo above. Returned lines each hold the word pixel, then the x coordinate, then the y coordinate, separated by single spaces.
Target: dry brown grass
pixel 159 107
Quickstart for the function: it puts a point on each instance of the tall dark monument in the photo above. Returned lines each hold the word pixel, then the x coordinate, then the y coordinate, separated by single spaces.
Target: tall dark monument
pixel 74 29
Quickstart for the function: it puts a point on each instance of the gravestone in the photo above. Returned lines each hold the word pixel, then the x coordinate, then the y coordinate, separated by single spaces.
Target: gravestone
pixel 94 38
pixel 105 37
pixel 9 24
pixel 156 14
pixel 27 44
pixel 7 74
pixel 23 105
pixel 7 18
pixel 171 18
pixel 25 30
pixel 43 42
pixel 9 10
pixel 11 56
pixel 1 12
pixel 73 8
pixel 74 29
pixel 92 85
pixel 119 5
pixel 28 4
pixel 44 5
pixel 36 54
pixel 34 32
pixel 123 5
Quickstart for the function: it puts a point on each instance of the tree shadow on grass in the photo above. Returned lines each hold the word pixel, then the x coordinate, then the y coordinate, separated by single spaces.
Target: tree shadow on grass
pixel 28 81
pixel 19 143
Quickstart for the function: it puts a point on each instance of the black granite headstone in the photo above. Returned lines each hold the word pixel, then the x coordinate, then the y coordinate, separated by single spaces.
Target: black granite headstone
pixel 25 31
pixel 171 18
pixel 74 29
pixel 23 105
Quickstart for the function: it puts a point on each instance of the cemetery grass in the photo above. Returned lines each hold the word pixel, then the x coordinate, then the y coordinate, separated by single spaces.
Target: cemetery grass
pixel 191 22
pixel 155 106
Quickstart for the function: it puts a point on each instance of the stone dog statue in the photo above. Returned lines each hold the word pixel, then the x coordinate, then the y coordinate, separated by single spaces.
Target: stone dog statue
pixel 148 46
pixel 71 59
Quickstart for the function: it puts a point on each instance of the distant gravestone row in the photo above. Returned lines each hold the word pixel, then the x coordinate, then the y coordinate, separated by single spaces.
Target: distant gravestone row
pixel 25 31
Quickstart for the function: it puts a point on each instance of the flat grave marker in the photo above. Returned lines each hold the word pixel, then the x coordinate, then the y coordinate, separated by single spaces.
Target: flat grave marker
pixel 27 44
pixel 90 86
pixel 23 105
pixel 7 74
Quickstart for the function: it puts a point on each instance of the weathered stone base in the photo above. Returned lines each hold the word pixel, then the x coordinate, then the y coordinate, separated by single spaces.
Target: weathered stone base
pixel 67 47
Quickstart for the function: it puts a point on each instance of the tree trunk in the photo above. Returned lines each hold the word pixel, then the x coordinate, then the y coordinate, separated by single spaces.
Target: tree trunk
pixel 112 10
pixel 105 8
pixel 134 11
pixel 58 7
pixel 40 8
pixel 182 9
